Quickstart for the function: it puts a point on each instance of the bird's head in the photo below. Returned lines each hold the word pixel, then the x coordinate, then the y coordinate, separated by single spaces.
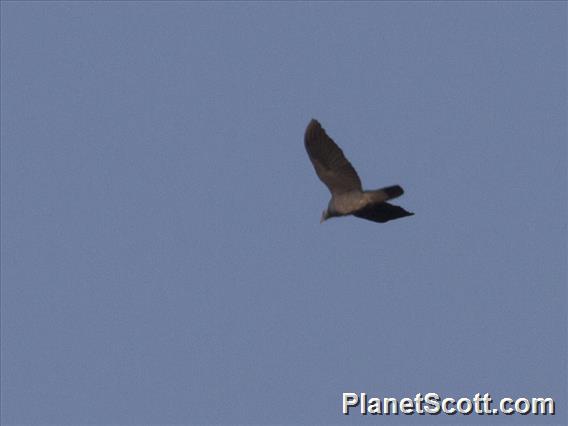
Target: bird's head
pixel 325 215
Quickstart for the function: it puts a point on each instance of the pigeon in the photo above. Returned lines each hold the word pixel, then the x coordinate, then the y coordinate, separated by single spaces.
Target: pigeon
pixel 347 194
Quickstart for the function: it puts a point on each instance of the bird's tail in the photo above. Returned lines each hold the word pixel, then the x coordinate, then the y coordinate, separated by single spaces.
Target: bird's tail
pixel 385 194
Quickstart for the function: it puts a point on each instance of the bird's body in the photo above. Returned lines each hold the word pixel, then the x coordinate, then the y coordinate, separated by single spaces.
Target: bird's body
pixel 347 203
pixel 347 194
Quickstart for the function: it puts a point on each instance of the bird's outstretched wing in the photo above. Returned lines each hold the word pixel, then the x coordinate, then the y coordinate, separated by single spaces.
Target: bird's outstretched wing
pixel 329 161
pixel 382 212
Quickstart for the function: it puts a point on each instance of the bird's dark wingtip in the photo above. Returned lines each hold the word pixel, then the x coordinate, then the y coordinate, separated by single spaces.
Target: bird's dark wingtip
pixel 314 122
pixel 313 129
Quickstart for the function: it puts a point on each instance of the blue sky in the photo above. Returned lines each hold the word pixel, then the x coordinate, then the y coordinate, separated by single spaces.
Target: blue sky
pixel 162 257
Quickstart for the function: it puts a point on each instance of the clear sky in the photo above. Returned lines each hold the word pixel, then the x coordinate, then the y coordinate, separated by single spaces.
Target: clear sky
pixel 162 257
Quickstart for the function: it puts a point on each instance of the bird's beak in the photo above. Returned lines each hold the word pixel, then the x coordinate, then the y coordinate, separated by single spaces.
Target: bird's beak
pixel 323 218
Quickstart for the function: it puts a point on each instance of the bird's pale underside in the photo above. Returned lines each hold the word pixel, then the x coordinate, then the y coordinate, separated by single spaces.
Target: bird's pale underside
pixel 347 194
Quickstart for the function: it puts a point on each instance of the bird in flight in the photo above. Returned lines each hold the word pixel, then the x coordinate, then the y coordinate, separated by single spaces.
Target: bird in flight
pixel 347 194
